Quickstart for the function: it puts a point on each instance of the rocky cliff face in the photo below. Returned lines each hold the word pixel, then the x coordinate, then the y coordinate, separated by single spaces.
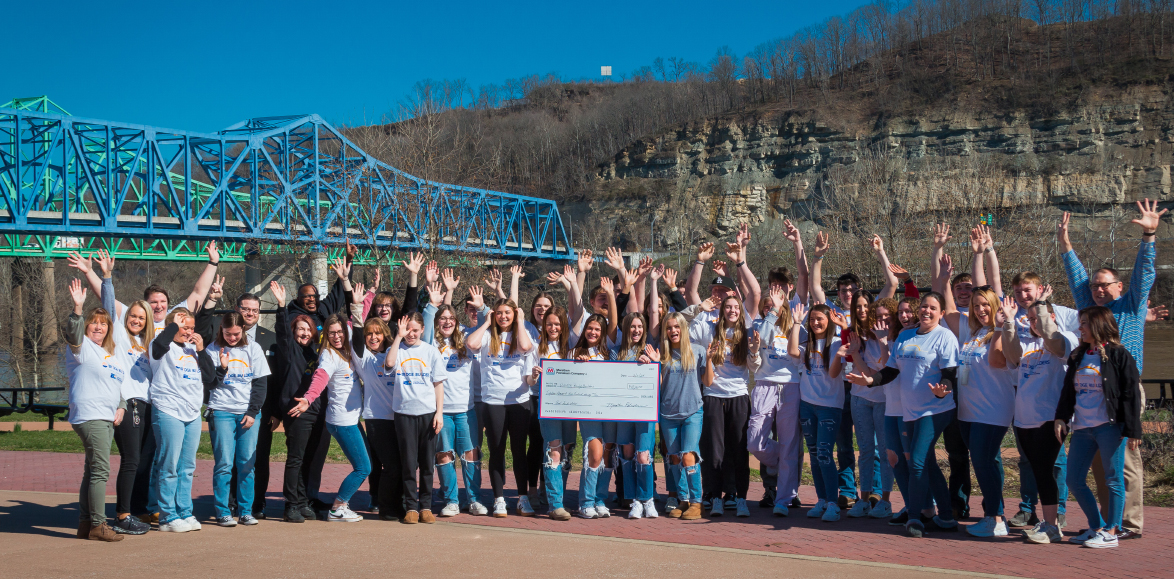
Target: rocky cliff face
pixel 759 168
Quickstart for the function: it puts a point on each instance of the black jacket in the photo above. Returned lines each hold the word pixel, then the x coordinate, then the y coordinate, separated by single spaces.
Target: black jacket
pixel 293 365
pixel 1121 383
pixel 336 301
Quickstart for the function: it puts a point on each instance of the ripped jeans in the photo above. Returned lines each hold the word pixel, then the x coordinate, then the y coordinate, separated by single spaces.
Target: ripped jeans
pixel 681 437
pixel 555 473
pixel 594 481
pixel 638 475
pixel 820 426
pixel 460 435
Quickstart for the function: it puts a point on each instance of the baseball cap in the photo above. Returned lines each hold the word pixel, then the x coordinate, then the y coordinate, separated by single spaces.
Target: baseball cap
pixel 723 281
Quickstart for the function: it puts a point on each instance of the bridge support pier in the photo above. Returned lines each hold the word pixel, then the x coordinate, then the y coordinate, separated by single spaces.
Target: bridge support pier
pixel 320 271
pixel 254 281
pixel 49 306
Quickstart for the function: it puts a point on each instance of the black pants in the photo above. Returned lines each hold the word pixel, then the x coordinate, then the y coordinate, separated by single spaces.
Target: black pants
pixel 536 451
pixel 384 443
pixel 1041 449
pixel 502 421
pixel 376 475
pixel 136 447
pixel 959 457
pixel 303 436
pixel 723 443
pixel 417 451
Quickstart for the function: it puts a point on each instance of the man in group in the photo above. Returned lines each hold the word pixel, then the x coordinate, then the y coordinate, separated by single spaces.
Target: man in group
pixel 1129 309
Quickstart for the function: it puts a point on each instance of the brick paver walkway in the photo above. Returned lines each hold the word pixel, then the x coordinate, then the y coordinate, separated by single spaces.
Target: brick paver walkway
pixel 855 539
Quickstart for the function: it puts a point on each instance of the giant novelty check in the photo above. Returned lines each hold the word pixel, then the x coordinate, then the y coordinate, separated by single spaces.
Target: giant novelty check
pixel 599 390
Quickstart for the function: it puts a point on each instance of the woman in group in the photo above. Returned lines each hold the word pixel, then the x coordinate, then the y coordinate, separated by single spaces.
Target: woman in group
pixel 369 343
pixel 559 435
pixel 503 345
pixel 777 384
pixel 681 413
pixel 635 440
pixel 925 361
pixel 1102 402
pixel 181 370
pixel 1040 360
pixel 96 407
pixel 599 436
pixel 868 410
pixel 732 356
pixel 889 323
pixel 460 434
pixel 541 302
pixel 821 395
pixel 233 405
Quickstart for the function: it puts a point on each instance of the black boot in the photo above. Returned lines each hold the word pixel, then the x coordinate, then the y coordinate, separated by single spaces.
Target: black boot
pixel 769 484
pixel 293 514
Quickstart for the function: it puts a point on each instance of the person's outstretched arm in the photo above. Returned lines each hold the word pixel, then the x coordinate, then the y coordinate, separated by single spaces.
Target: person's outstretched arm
pixel 196 300
pixel 890 288
pixel 802 274
pixel 1073 269
pixel 977 273
pixel 941 234
pixel 816 289
pixel 704 254
pixel 992 261
pixel 1141 279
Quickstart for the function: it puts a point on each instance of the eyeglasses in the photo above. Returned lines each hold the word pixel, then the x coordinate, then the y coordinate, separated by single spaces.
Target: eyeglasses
pixel 383 306
pixel 1102 286
pixel 248 310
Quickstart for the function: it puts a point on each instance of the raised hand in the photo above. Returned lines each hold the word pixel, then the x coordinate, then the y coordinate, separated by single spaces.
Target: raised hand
pixel 901 273
pixel 607 285
pixel 216 290
pixel 360 289
pixel 224 357
pixel 554 278
pixel 719 267
pixel 877 244
pixel 797 312
pixel 492 279
pixel 614 259
pixel 705 251
pixel 744 235
pixel 670 278
pixel 939 390
pixel 516 271
pixel 76 261
pixel 734 252
pixel 351 252
pixel 213 253
pixel 987 241
pixel 278 293
pixel 714 353
pixel 946 270
pixel 881 330
pixel 1150 216
pixel 976 245
pixel 645 265
pixel 838 319
pixel 791 232
pixel 777 299
pixel 854 343
pixel 378 279
pixel 941 234
pixel 630 277
pixel 402 325
pixel 105 263
pixel 436 293
pixel 585 259
pixel 414 262
pixel 1007 308
pixel 196 340
pixel 754 341
pixel 431 273
pixel 1155 313
pixel 656 272
pixel 1062 233
pixel 709 304
pixel 652 353
pixel 78 294
pixel 478 296
pixel 822 245
pixel 451 282
pixel 1045 293
pixel 341 268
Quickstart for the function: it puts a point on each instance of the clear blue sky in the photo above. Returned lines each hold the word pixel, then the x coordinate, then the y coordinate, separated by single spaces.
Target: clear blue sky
pixel 205 65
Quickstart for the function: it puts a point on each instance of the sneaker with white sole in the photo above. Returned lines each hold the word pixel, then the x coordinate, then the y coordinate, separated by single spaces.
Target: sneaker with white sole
pixel 1043 533
pixel 859 510
pixel 1082 537
pixel 602 512
pixel 226 521
pixel 588 513
pixel 717 509
pixel 175 526
pixel 637 510
pixel 1102 540
pixel 881 510
pixel 451 510
pixel 987 527
pixel 650 509
pixel 900 519
pixel 832 514
pixel 193 523
pixel 781 510
pixel 742 509
pixel 818 510
pixel 343 514
pixel 478 509
pixel 671 503
pixel 524 508
pixel 248 520
pixel 499 510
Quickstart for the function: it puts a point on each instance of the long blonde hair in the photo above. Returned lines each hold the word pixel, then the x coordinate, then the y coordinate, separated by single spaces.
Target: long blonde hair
pixel 993 301
pixel 666 347
pixel 739 342
pixel 496 332
pixel 145 335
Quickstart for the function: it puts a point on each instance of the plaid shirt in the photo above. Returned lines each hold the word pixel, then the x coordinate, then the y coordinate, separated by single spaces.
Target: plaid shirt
pixel 1131 308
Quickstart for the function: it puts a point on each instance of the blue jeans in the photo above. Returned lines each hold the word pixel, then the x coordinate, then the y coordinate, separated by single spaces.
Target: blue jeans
pixel 925 476
pixel 350 439
pixel 876 475
pixel 233 445
pixel 1085 443
pixel 177 443
pixel 845 453
pixel 460 435
pixel 561 434
pixel 820 426
pixel 594 481
pixel 1029 492
pixel 896 440
pixel 681 437
pixel 985 442
pixel 638 476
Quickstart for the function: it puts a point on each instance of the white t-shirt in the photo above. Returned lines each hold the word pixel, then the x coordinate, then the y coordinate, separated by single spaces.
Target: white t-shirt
pixel 871 355
pixel 245 364
pixel 1067 319
pixel 1041 378
pixel 701 328
pixel 503 377
pixel 963 325
pixel 176 385
pixel 95 382
pixel 378 384
pixel 921 359
pixel 729 379
pixel 1090 393
pixel 458 387
pixel 985 394
pixel 345 400
pixel 138 380
pixel 893 405
pixel 777 365
pixel 418 368
pixel 815 385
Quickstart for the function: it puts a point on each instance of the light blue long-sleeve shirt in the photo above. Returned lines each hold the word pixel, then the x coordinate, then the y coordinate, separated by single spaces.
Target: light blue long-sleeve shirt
pixel 1131 308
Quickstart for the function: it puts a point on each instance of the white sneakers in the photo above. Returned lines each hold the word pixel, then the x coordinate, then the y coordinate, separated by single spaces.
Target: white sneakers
pixel 478 509
pixel 175 526
pixel 637 510
pixel 988 527
pixel 193 523
pixel 831 514
pixel 602 512
pixel 649 509
pixel 1102 540
pixel 1044 533
pixel 818 510
pixel 881 510
pixel 524 508
pixel 499 510
pixel 343 514
pixel 742 509
pixel 451 510
pixel 860 509
pixel 588 513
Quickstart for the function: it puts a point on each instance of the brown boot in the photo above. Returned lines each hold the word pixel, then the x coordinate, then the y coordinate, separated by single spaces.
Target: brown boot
pixel 692 513
pixel 411 518
pixel 426 516
pixel 83 529
pixel 679 510
pixel 150 518
pixel 103 532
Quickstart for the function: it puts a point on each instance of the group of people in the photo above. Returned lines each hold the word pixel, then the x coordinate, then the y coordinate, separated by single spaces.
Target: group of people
pixel 407 388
